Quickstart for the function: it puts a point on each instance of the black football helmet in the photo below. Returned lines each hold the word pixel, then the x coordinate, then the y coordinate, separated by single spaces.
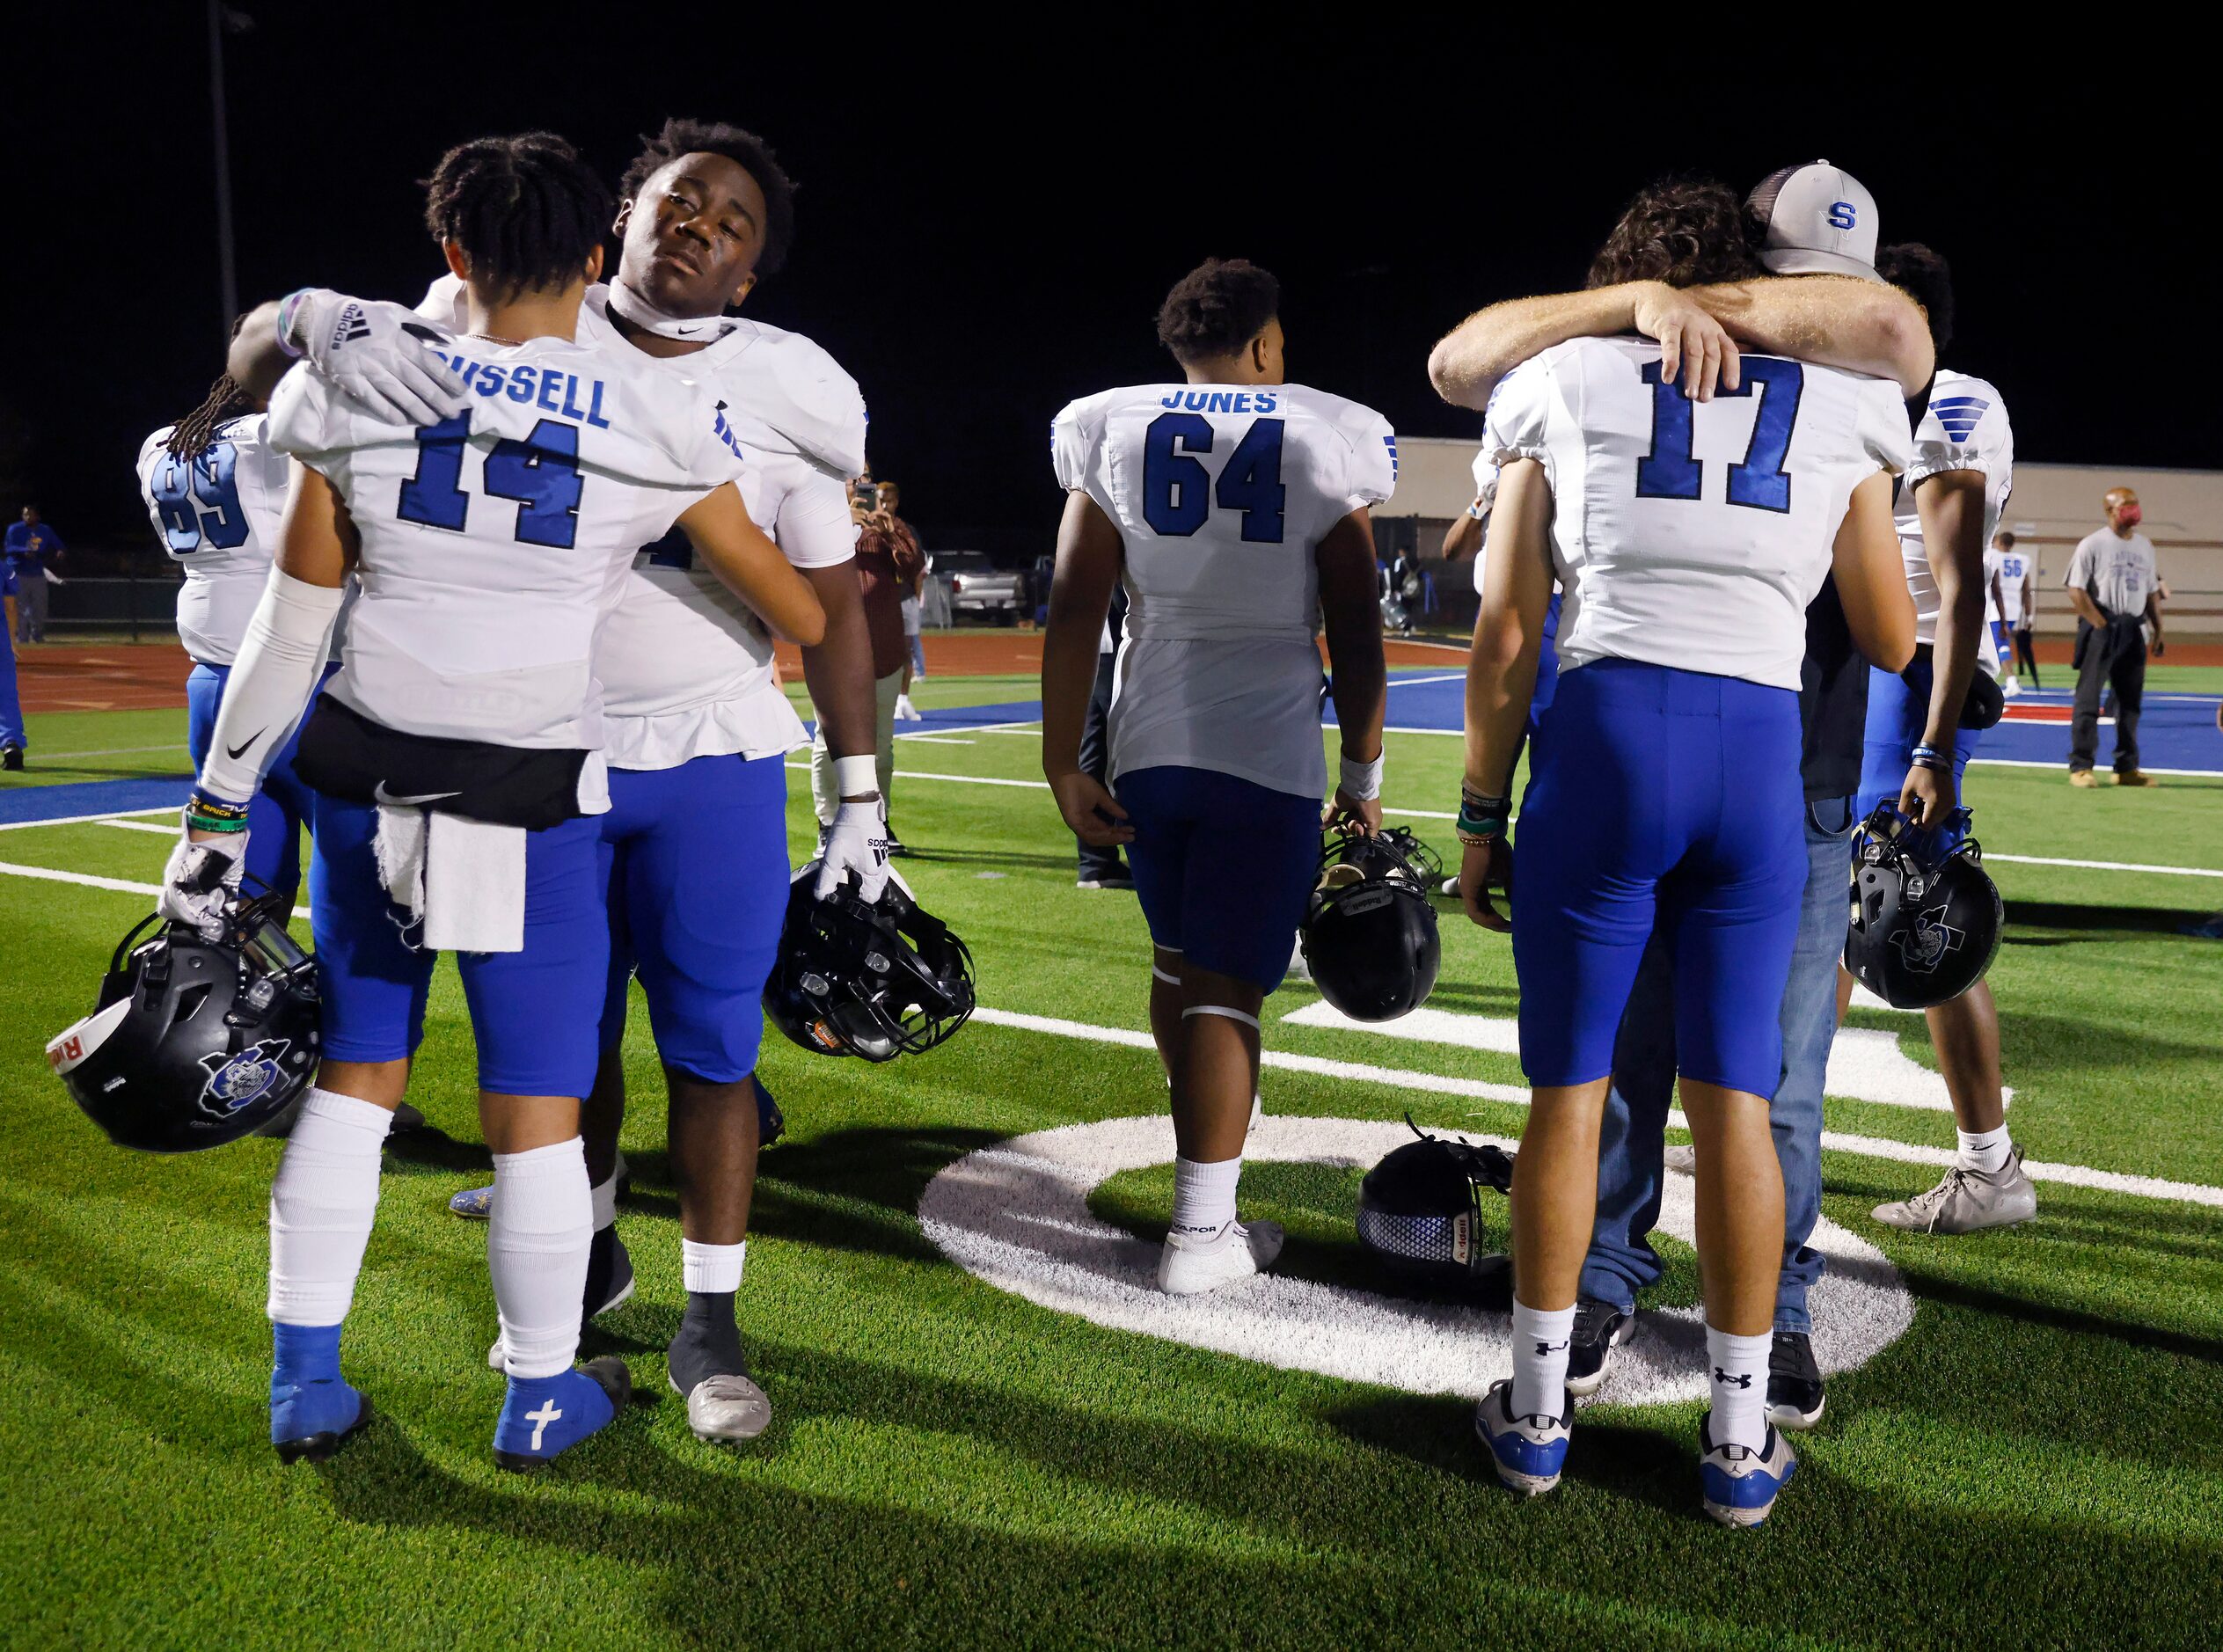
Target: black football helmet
pixel 1420 1211
pixel 877 979
pixel 195 1042
pixel 1926 921
pixel 1370 935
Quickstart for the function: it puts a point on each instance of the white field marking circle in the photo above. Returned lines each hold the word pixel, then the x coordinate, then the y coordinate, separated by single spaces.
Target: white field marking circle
pixel 1016 1215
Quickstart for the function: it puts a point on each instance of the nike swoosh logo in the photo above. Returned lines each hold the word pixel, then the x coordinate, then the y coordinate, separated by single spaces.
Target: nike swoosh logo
pixel 379 793
pixel 233 751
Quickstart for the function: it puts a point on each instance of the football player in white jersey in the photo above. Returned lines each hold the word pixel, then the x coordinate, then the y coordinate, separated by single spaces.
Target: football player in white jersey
pixel 1234 505
pixel 695 843
pixel 2011 577
pixel 1949 503
pixel 1681 531
pixel 214 488
pixel 456 756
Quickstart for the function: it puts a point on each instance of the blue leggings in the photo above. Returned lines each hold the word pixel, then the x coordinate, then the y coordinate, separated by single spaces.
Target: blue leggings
pixel 1670 798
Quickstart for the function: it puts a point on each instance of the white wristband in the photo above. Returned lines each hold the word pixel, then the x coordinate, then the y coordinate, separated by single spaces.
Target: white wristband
pixel 853 777
pixel 1361 781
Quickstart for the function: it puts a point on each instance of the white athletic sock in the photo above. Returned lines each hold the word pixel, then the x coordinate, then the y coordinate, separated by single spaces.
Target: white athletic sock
pixel 536 1246
pixel 604 1195
pixel 1540 1341
pixel 1204 1195
pixel 712 1266
pixel 1985 1151
pixel 322 1205
pixel 1736 1369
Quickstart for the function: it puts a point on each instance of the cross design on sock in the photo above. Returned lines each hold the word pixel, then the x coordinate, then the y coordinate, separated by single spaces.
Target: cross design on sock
pixel 541 1419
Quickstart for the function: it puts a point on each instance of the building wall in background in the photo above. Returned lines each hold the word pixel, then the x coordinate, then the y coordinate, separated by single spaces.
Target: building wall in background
pixel 2054 505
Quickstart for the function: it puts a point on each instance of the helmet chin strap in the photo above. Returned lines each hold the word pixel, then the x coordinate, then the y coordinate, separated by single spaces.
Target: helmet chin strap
pixel 642 314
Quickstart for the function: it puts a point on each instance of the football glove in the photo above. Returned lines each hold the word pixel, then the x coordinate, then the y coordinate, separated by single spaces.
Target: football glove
pixel 376 353
pixel 202 882
pixel 857 842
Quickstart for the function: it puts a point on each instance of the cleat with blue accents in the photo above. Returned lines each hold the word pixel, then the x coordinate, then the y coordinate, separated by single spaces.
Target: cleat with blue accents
pixel 542 1417
pixel 473 1204
pixel 1528 1451
pixel 1738 1483
pixel 772 1123
pixel 313 1412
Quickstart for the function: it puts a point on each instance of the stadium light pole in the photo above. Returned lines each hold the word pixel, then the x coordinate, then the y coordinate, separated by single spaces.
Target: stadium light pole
pixel 227 273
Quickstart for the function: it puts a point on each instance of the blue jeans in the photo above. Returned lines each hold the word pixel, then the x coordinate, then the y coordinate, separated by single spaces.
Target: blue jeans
pixel 1621 1260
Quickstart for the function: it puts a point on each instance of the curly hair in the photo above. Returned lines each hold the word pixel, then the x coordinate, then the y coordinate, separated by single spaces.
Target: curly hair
pixel 1217 307
pixel 1922 274
pixel 747 151
pixel 526 210
pixel 1685 231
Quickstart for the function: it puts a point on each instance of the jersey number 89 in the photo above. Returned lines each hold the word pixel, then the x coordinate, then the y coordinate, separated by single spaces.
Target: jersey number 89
pixel 541 473
pixel 1176 500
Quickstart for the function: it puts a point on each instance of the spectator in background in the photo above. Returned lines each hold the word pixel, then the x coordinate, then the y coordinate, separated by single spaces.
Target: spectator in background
pixel 2111 584
pixel 915 665
pixel 32 548
pixel 886 549
pixel 12 739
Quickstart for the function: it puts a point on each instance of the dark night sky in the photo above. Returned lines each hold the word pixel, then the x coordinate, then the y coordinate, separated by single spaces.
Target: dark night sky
pixel 991 212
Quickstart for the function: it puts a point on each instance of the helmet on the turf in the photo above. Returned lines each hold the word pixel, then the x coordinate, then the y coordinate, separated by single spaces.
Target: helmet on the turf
pixel 195 1042
pixel 872 978
pixel 1370 936
pixel 1419 1210
pixel 1926 919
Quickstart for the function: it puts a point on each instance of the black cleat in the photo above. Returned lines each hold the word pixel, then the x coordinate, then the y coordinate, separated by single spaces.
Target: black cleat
pixel 11 759
pixel 1794 1382
pixel 1599 1328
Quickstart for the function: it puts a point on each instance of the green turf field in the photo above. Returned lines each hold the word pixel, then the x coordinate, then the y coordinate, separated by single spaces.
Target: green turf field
pixel 2037 1460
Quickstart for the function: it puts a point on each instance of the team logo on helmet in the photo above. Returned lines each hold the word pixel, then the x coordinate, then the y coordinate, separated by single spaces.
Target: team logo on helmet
pixel 237 1081
pixel 1927 941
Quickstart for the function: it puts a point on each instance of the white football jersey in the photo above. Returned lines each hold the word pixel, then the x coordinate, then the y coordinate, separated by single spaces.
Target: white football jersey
pixel 1693 534
pixel 217 516
pixel 1964 427
pixel 2014 570
pixel 1221 493
pixel 685 666
pixel 494 545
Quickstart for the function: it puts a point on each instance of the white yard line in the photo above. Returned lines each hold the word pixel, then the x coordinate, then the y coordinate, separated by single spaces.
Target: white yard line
pixel 48 874
pixel 79 820
pixel 941 740
pixel 1416 681
pixel 1439 1083
pixel 2105 866
pixel 110 752
pixel 160 829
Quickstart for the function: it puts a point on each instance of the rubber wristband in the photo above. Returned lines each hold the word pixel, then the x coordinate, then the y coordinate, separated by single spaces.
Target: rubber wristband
pixel 1361 780
pixel 1474 830
pixel 203 823
pixel 853 777
pixel 215 808
pixel 1473 802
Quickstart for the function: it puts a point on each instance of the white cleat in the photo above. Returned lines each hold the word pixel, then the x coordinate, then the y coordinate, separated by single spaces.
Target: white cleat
pixel 1967 1201
pixel 1682 1157
pixel 726 1409
pixel 906 712
pixel 1192 1264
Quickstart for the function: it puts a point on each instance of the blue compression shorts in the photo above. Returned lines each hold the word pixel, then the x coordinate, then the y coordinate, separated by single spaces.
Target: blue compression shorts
pixel 695 861
pixel 1222 867
pixel 1667 798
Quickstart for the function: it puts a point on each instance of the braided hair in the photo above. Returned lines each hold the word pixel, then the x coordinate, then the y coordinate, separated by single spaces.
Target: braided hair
pixel 747 151
pixel 526 210
pixel 190 437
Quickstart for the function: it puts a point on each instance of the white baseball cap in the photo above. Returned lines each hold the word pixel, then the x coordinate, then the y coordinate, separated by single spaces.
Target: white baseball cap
pixel 1820 219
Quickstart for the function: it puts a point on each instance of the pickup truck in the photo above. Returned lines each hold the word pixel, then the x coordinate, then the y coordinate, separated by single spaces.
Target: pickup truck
pixel 977 586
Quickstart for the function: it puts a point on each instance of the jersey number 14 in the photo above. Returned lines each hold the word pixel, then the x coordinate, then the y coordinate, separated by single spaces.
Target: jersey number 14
pixel 541 473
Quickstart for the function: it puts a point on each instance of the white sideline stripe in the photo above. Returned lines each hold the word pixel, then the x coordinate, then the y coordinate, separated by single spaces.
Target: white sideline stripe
pixel 79 820
pixel 2106 865
pixel 1439 1083
pixel 112 751
pixel 1416 681
pixel 122 886
pixel 941 740
pixel 154 826
pixel 2062 764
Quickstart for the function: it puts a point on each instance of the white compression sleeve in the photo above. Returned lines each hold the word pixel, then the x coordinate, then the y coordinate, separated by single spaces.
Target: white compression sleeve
pixel 271 683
